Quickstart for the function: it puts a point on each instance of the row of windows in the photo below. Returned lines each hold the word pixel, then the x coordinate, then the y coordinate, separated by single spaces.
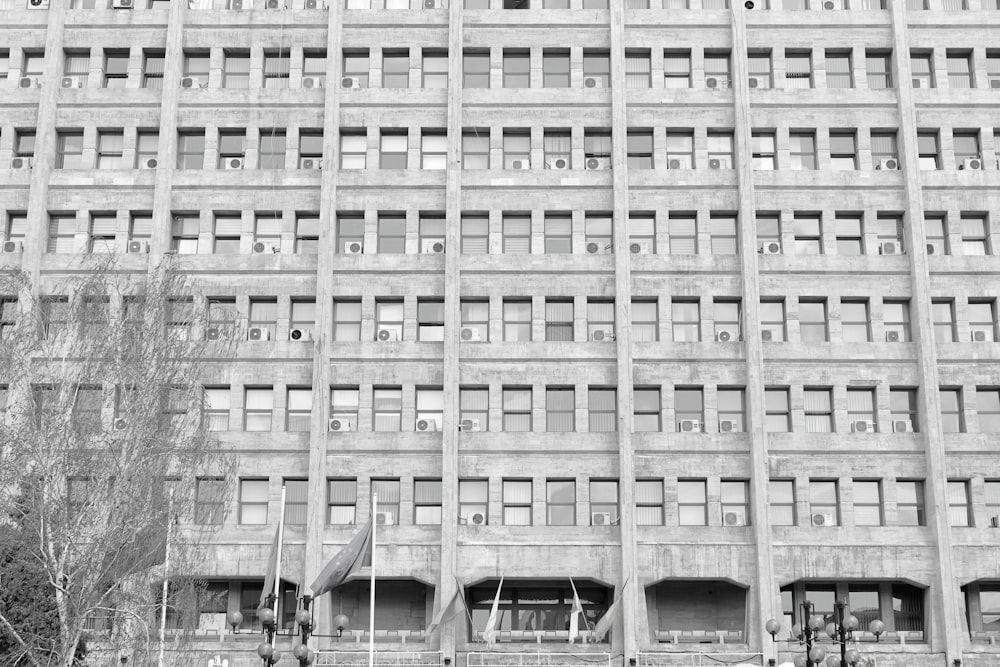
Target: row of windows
pixel 875 502
pixel 510 149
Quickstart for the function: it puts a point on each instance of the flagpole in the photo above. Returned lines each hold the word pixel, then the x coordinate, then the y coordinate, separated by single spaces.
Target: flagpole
pixel 371 595
pixel 277 569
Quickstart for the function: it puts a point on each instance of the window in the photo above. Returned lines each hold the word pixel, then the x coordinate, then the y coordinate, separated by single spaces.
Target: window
pixel 802 150
pixel 558 320
pixel 191 150
pixel 850 239
pixel 600 320
pixel 354 149
pixel 818 408
pixel 110 145
pixel 597 148
pixel 476 318
pixel 952 419
pixel 216 408
pixel 62 232
pixel 762 146
pixel 692 502
pixel 258 405
pixel 342 496
pixel 476 148
pixel 357 66
pixel 683 232
pixel 722 228
pixel 991 495
pixel 959 69
pixel 936 234
pixel 603 503
pixel 884 148
pixel 680 149
pixel 988 407
pixel 777 415
pixel 798 69
pixel 982 320
pixel 602 410
pixel 812 321
pixel 307 234
pixel 475 234
pixel 473 406
pixel 720 150
pixel 310 147
pixel 435 72
pixel 392 150
pixel 77 65
pixel 516 69
pixel 209 501
pixel 344 407
pixel 347 320
pixel 993 66
pixel 475 70
pixel 560 409
pixel 313 67
pixel 727 319
pixel 639 146
pixel 516 149
pixel 824 498
pixel 517 320
pixel 517 502
pixel 910 503
pixel 768 232
pixel 781 493
pixel 735 503
pixel 839 70
pixel 196 65
pixel 69 149
pixel 516 233
pixel 272 149
pixel 772 320
pixel 232 147
pixel 426 502
pixel 717 67
pixel 25 140
pixel 855 321
pixel 686 317
pixel 596 66
pixel 103 228
pixel 598 232
pixel 731 410
pixel 943 312
pixel 276 70
pixel 927 150
pixel 868 502
pixel 391 233
pixel 555 68
pixel 959 507
pixel 966 144
pixel 253 502
pixel 516 409
pixel 903 409
pixel 759 66
pixel 387 408
pixel 430 407
pixel 263 315
pixel 808 234
pixel 861 407
pixel 473 498
pixel 296 501
pixel 879 74
pixel 645 321
pixel 299 409
pixel 558 233
pixel 115 69
pixel 921 69
pixel 677 69
pixel 843 151
pixel 689 406
pixel 179 316
pixel 152 69
pixel 649 502
pixel 975 234
pixel 560 502
pixel 236 69
pixel 637 69
pixel 87 409
pixel 896 315
pixel 433 150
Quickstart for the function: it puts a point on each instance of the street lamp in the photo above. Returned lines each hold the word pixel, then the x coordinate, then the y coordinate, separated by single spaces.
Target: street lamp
pixel 304 619
pixel 810 627
pixel 340 621
pixel 265 650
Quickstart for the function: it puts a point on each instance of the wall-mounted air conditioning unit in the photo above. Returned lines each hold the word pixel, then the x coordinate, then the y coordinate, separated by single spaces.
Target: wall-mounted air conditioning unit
pixel 310 163
pixel 350 82
pixel 888 164
pixel 191 82
pixel 902 426
pixel 470 335
pixel 385 335
pixel 593 82
pixel 120 424
pixel 863 426
pixel 470 425
pixel 734 518
pixel 728 426
pixel 426 425
pixel 18 163
pixel 602 335
pixel 825 519
pixel 38 4
pixel 689 426
pixel 766 335
pixel 727 335
pixel 259 248
pixel 641 247
pixel 274 4
pixel 13 247
pixel 520 165
pixel 121 4
pixel 889 248
pixel 770 248
pixel 384 518
pixel 300 334
pixel 432 246
pixel 600 518
pixel 473 518
pixel 598 248
pixel 972 164
pixel 598 163
pixel 233 163
pixel 29 82
pixel 138 246
pixel 979 336
pixel 258 333
pixel 559 164
pixel 339 425
pixel 754 82
pixel 72 82
pixel 353 248
pixel 312 82
pixel 892 337
pixel 149 163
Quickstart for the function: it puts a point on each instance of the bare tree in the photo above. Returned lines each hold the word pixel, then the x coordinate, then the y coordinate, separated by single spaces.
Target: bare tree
pixel 103 447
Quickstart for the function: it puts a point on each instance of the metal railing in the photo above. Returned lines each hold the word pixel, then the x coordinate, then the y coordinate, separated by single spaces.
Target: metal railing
pixel 698 659
pixel 539 659
pixel 382 658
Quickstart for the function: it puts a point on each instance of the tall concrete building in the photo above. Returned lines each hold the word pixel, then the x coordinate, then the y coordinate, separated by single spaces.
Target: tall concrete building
pixel 692 304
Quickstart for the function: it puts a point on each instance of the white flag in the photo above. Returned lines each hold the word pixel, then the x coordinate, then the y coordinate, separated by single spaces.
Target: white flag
pixel 490 633
pixel 574 615
pixel 604 625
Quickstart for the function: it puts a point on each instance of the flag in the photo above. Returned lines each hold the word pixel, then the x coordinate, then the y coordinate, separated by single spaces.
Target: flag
pixel 461 600
pixel 348 560
pixel 604 625
pixel 445 610
pixel 575 613
pixel 490 633
pixel 272 571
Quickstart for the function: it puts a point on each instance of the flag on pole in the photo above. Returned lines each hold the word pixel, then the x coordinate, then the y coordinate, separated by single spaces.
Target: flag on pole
pixel 575 613
pixel 445 613
pixel 490 633
pixel 272 570
pixel 461 599
pixel 348 560
pixel 604 625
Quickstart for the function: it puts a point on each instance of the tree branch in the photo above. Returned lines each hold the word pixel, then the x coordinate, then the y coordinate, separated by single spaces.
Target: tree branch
pixel 17 637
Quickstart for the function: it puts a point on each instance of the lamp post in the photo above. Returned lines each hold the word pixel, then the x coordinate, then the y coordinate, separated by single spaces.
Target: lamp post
pixel 266 649
pixel 304 619
pixel 810 627
pixel 340 621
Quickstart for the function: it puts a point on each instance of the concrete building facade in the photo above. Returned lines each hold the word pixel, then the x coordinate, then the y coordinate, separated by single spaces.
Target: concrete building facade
pixel 690 303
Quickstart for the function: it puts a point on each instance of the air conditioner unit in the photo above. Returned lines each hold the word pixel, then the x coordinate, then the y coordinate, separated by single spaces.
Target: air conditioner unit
pixel 830 5
pixel 823 519
pixel 734 518
pixel 339 425
pixel 432 246
pixel 258 333
pixel 300 334
pixel 689 426
pixel 213 333
pixel 593 82
pixel 979 336
pixel 863 426
pixel 754 82
pixel 766 335
pixel 726 335
pixel 190 82
pixel 20 163
pixel 972 164
pixel 383 518
pixel 598 163
pixel 237 5
pixel 38 4
pixel 120 424
pixel 641 247
pixel 13 247
pixel 121 4
pixel 520 164
pixel 432 4
pixel 728 426
pixel 889 248
pixel 888 164
pixel 597 248
pixel 310 163
pixel 350 82
pixel 470 334
pixel 353 248
pixel 28 82
pixel 233 163
pixel 149 163
pixel 387 335
pixel 72 82
pixel 931 249
pixel 770 248
pixel 712 82
pixel 470 425
pixel 259 247
pixel 674 164
pixel 560 164
pixel 312 82
pixel 902 426
pixel 892 336
pixel 138 246
pixel 715 163
pixel 426 425
pixel 602 335
pixel 477 519
pixel 600 518
pixel 275 4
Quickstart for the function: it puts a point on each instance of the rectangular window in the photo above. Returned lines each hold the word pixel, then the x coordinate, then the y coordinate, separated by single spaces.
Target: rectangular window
pixel 720 150
pixel 62 232
pixel 802 150
pixel 824 502
pixel 597 148
pixel 843 151
pixel 936 234
pixel 598 230
pixel 921 69
pixel 645 321
pixel 975 234
pixel 310 148
pixel 772 320
pixel 649 502
pixel 637 69
pixel 216 408
pixel 683 232
pixel 993 64
pixel 726 319
pixel 600 320
pixel 191 150
pixel 798 69
pixel 724 239
pixel 603 503
pixel 808 234
pixel 596 70
pixel 391 233
pixel 839 70
pixel 639 148
pixel 855 321
pixel 677 69
pixel 943 312
pixel 903 410
pixel 110 146
pixel 959 69
pixel 516 409
pixel 991 495
pixel 813 321
pixel 473 499
pixel 253 502
pixel 966 146
pixel 354 149
pixel 560 502
pixel 717 68
pixel 209 501
pixel 296 501
pixel 152 69
pixel 357 66
pixel 777 414
pixel 731 410
pixel 344 407
pixel 910 503
pixel 476 148
pixel 983 320
pixel 896 316
pixel 342 497
pixel 781 494
pixel 103 228
pixel 387 408
pixel 475 234
pixel 768 233
pixel 818 408
pixel 69 149
pixel 558 233
pixel 476 70
pixel 517 502
pixel 475 320
pixel 435 69
pixel 392 150
pixel 558 320
pixel 426 502
pixel 307 233
pixel 885 153
pixel 692 502
pixel 516 233
pixel 759 66
pixel 516 68
pixel 258 406
pixel 680 149
pixel 146 148
pixel 430 409
pixel 517 320
pixel 276 69
pixel 868 502
pixel 959 507
pixel 689 408
pixel 560 409
pixel 878 70
pixel 299 409
pixel 952 420
pixel 347 320
pixel 473 407
pixel 764 152
pixel 555 68
pixel 686 319
pixel 232 149
pixel 433 150
pixel 263 316
pixel 988 408
pixel 861 410
pixel 735 502
pixel 850 238
pixel 430 321
pixel 927 150
pixel 602 410
pixel 236 69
